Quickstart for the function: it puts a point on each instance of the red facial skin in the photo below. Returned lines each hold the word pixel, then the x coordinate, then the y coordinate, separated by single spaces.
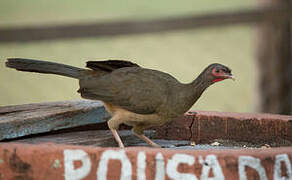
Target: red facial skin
pixel 217 80
pixel 219 76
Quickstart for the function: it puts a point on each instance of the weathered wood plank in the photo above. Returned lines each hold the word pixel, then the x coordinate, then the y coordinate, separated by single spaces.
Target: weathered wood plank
pixel 99 138
pixel 21 120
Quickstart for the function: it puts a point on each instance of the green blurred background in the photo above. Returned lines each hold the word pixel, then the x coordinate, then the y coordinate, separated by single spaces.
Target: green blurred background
pixel 182 53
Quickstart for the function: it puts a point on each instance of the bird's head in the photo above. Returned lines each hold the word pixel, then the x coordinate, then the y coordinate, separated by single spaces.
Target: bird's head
pixel 218 72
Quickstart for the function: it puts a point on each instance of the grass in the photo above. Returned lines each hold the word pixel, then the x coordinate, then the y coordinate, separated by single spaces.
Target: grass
pixel 183 54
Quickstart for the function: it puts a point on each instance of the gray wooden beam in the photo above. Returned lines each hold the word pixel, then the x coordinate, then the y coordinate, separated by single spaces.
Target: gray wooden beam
pixel 21 120
pixel 85 30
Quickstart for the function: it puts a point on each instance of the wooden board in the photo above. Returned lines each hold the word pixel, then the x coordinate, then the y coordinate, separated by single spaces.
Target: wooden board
pixel 101 138
pixel 21 120
pixel 98 138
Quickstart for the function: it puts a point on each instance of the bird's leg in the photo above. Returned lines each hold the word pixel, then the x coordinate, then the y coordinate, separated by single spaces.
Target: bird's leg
pixel 117 138
pixel 113 125
pixel 139 133
pixel 147 140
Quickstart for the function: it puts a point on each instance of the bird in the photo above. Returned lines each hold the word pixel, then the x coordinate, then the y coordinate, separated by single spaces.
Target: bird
pixel 136 96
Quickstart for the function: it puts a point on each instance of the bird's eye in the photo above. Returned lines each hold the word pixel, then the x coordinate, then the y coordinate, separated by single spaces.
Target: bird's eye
pixel 217 71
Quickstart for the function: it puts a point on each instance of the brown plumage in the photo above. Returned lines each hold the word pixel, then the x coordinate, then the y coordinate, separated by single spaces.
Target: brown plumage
pixel 136 96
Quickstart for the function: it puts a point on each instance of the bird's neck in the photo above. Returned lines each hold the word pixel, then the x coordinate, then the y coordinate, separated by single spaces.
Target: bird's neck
pixel 192 92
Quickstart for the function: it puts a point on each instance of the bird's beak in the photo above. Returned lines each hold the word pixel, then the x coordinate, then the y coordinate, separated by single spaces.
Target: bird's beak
pixel 230 76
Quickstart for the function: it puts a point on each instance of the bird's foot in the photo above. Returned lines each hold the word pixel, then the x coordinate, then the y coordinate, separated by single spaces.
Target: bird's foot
pixel 155 145
pixel 147 140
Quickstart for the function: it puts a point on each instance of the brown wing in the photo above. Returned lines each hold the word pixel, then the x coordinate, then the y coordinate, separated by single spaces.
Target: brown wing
pixel 109 65
pixel 138 90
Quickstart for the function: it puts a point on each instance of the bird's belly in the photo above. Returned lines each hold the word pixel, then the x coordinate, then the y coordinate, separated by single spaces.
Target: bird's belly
pixel 134 119
pixel 149 120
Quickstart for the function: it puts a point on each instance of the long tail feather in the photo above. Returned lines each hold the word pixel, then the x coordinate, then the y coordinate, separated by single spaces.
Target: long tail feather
pixel 31 65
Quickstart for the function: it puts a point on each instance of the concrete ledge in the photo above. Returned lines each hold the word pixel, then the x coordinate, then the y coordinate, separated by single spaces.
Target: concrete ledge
pixel 50 161
pixel 204 126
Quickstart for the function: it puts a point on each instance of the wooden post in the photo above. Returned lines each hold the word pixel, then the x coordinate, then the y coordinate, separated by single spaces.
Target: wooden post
pixel 274 58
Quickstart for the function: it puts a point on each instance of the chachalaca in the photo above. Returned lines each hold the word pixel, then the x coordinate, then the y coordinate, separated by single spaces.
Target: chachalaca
pixel 136 96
